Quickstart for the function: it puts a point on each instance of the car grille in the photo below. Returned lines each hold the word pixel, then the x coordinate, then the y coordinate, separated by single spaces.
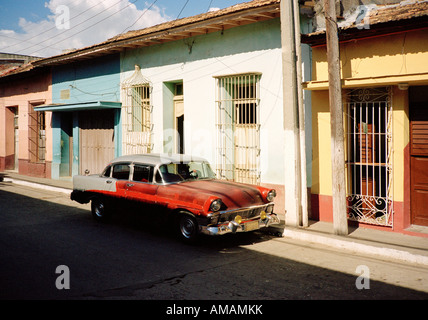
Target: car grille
pixel 245 213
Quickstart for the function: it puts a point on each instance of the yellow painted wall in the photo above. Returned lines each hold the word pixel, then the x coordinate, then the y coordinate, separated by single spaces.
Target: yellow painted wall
pixel 321 140
pixel 398 54
pixel 400 138
pixel 321 144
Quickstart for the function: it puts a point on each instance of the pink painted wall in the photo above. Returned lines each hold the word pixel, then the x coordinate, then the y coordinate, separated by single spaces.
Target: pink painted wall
pixel 33 89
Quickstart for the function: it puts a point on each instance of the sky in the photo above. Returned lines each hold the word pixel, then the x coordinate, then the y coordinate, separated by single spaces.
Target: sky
pixel 45 28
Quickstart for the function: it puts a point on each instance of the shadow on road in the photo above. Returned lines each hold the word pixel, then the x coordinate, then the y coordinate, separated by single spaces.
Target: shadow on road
pixel 135 257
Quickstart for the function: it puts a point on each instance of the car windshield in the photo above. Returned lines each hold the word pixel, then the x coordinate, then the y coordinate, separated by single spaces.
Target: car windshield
pixel 183 171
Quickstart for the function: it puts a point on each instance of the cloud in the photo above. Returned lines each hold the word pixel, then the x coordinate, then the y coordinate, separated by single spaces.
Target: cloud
pixel 75 24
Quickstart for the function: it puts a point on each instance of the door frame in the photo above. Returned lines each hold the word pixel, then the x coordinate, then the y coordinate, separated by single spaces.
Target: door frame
pixel 110 130
pixel 12 138
pixel 418 96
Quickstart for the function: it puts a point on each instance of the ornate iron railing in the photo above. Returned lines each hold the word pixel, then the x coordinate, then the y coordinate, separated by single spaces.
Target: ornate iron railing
pixel 369 155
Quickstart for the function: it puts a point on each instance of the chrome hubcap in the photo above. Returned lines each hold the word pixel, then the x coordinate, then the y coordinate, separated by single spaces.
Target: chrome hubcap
pixel 187 227
pixel 99 209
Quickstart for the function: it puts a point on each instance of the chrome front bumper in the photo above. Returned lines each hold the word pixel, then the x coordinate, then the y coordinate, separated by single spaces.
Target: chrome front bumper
pixel 248 222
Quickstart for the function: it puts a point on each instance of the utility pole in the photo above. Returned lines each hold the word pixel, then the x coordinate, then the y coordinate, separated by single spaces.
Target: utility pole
pixel 292 103
pixel 340 221
pixel 302 133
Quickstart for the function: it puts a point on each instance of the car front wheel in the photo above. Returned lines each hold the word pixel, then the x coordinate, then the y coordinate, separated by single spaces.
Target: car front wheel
pixel 99 209
pixel 187 227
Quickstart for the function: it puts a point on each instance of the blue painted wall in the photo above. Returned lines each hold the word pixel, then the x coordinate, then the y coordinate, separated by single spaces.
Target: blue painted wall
pixel 91 80
pixel 96 79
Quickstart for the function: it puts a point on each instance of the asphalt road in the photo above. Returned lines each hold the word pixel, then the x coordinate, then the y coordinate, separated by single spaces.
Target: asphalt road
pixel 135 257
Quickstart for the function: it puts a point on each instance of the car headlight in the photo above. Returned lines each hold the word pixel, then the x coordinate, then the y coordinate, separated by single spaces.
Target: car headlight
pixel 216 205
pixel 271 195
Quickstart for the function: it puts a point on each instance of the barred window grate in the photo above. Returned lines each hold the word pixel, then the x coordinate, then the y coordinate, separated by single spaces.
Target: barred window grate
pixel 36 135
pixel 136 114
pixel 238 127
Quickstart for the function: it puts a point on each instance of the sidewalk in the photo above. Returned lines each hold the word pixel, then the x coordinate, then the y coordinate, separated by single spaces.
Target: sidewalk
pixel 384 244
pixel 63 185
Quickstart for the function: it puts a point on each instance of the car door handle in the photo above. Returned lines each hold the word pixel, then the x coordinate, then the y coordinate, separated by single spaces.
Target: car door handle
pixel 129 184
pixel 109 181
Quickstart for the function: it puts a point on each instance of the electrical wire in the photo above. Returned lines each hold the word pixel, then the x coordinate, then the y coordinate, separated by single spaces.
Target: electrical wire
pixel 94 24
pixel 182 9
pixel 144 12
pixel 85 22
pixel 209 6
pixel 50 29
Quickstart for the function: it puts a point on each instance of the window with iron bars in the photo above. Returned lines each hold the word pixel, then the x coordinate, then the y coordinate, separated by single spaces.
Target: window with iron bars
pixel 36 135
pixel 138 108
pixel 136 118
pixel 369 155
pixel 238 127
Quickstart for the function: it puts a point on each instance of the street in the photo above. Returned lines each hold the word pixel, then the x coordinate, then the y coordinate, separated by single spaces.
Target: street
pixel 51 248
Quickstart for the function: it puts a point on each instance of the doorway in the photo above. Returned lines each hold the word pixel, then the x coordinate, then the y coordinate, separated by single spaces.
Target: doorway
pixel 12 138
pixel 418 109
pixel 179 118
pixel 97 147
pixel 66 166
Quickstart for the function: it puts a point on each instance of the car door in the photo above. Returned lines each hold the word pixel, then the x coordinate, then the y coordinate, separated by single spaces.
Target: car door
pixel 121 172
pixel 107 183
pixel 141 188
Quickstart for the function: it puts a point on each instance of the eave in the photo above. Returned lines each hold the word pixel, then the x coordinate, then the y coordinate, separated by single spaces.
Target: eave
pixel 79 106
pixel 373 30
pixel 387 80
pixel 173 31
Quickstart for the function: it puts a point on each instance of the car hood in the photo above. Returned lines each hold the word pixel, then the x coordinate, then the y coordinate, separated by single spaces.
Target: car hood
pixel 234 195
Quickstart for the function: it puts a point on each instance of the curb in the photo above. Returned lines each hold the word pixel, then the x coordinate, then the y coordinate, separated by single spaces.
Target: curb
pixel 356 247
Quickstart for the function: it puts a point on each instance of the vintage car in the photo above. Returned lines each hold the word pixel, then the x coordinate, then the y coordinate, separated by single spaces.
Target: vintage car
pixel 183 186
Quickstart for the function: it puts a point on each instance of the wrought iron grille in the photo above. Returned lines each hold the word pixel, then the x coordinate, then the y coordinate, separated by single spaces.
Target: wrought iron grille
pixel 238 127
pixel 136 114
pixel 369 155
pixel 36 135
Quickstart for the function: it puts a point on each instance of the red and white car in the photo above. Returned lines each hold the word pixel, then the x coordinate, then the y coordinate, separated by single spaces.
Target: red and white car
pixel 183 186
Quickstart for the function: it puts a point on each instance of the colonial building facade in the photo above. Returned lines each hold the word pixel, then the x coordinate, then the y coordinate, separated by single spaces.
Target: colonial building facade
pixel 208 85
pixel 25 138
pixel 385 85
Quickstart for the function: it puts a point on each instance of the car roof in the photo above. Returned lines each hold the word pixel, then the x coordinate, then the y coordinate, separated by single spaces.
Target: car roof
pixel 156 158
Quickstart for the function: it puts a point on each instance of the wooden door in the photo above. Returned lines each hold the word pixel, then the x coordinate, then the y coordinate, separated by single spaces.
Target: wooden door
pixel 96 140
pixel 179 124
pixel 419 163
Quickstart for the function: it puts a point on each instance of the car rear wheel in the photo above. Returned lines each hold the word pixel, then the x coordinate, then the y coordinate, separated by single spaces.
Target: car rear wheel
pixel 187 227
pixel 99 210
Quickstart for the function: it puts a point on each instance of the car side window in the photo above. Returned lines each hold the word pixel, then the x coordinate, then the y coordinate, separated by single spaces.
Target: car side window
pixel 142 173
pixel 121 171
pixel 158 177
pixel 107 172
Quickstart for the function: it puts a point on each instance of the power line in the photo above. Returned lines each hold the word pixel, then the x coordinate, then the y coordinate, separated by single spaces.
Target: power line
pixel 94 24
pixel 84 22
pixel 144 12
pixel 50 29
pixel 209 6
pixel 5 36
pixel 182 9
